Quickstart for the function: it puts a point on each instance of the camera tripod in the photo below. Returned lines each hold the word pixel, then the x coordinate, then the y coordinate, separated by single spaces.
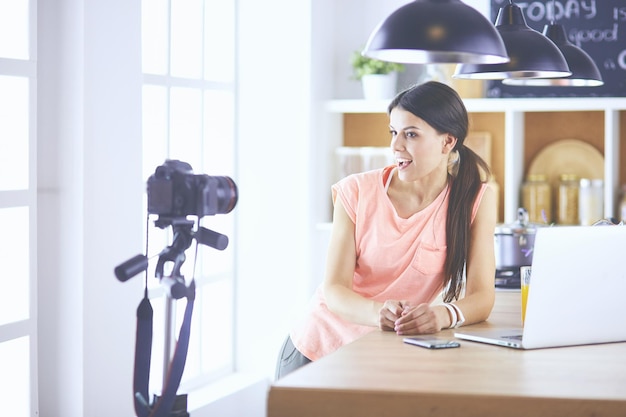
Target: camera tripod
pixel 169 404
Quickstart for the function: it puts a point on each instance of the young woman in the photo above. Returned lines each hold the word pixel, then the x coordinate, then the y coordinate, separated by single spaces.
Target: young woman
pixel 404 234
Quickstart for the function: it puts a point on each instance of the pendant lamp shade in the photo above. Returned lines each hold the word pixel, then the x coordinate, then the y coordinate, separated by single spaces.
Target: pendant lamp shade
pixel 436 31
pixel 585 73
pixel 532 54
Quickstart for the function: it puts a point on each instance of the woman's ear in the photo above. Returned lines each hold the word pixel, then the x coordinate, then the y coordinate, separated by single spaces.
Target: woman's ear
pixel 449 143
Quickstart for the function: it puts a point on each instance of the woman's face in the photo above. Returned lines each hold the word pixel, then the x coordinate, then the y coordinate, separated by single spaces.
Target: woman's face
pixel 419 149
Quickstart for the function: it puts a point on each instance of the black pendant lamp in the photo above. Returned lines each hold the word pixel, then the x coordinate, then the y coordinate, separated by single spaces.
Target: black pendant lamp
pixel 532 54
pixel 585 73
pixel 436 31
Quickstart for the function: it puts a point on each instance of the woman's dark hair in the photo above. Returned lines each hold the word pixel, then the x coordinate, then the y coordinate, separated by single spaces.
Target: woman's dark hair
pixel 442 108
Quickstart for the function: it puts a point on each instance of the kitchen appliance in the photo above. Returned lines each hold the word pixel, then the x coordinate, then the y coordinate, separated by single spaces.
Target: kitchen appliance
pixel 514 245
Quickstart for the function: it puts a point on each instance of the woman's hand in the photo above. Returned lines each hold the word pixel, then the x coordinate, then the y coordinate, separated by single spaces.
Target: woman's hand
pixel 389 314
pixel 422 319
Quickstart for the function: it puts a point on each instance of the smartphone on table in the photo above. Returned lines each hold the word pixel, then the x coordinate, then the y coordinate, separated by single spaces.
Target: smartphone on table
pixel 431 343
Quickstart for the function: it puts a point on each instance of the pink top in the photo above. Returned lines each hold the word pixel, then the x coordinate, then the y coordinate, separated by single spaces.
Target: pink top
pixel 397 258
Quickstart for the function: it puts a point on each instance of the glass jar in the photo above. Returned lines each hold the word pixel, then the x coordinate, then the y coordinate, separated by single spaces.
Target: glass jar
pixel 567 200
pixel 590 201
pixel 537 198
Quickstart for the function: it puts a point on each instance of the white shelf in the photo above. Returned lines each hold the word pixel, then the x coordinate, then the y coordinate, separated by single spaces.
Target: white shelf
pixel 514 110
pixel 484 105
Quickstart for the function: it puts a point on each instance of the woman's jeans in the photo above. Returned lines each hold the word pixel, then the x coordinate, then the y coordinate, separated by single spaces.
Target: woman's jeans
pixel 289 359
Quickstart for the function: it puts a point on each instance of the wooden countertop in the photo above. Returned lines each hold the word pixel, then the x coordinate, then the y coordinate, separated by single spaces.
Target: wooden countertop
pixel 379 375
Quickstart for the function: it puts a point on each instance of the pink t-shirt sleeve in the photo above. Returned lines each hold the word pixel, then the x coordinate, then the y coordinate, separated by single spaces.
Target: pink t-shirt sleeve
pixel 348 194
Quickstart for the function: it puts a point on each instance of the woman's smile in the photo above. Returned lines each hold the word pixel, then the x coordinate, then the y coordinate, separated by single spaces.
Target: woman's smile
pixel 403 163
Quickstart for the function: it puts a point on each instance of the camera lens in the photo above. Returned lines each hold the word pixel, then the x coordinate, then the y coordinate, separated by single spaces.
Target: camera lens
pixel 227 194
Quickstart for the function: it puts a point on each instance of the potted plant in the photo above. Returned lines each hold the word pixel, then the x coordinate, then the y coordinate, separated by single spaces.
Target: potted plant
pixel 378 78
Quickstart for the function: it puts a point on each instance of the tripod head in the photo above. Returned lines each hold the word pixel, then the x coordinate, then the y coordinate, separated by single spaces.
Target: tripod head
pixel 183 236
pixel 175 253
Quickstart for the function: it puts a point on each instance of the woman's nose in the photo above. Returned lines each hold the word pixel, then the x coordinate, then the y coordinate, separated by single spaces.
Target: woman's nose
pixel 397 143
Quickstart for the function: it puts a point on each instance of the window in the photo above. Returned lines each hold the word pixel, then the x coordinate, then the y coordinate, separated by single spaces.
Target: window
pixel 18 321
pixel 188 114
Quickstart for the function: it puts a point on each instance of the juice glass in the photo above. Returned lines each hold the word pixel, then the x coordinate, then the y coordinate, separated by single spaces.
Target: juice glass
pixel 525 284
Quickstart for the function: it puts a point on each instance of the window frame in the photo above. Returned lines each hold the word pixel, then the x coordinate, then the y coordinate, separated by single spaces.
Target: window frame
pixel 27 68
pixel 156 293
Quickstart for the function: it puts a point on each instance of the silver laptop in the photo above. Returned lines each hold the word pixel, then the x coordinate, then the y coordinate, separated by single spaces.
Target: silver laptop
pixel 577 291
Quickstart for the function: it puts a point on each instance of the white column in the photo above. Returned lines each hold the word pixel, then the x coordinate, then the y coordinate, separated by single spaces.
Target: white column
pixel 611 162
pixel 513 162
pixel 91 191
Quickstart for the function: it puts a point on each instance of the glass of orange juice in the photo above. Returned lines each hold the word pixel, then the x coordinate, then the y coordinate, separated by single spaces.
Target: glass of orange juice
pixel 525 284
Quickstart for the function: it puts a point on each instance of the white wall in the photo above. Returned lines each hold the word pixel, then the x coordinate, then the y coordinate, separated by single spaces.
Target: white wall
pixel 274 125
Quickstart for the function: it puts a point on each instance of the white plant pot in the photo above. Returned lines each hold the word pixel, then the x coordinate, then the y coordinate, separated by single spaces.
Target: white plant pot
pixel 379 86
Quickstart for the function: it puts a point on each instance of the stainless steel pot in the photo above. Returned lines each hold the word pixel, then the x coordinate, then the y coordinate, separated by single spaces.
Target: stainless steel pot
pixel 514 243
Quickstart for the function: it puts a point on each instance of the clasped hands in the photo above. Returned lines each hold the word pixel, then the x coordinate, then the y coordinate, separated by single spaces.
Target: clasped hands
pixel 404 319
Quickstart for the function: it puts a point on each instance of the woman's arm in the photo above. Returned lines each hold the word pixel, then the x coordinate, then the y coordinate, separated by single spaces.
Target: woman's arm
pixel 340 264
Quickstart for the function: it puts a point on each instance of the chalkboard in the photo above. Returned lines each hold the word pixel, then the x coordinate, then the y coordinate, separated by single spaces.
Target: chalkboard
pixel 596 26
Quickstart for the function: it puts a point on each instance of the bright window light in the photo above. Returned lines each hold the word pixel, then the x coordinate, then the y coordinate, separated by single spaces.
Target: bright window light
pixel 14 280
pixel 14 24
pixel 14 117
pixel 15 377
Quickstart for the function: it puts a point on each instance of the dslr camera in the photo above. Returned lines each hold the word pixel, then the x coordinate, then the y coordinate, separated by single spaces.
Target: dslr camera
pixel 174 191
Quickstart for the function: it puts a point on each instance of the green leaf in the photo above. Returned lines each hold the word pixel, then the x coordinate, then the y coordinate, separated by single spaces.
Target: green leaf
pixel 363 65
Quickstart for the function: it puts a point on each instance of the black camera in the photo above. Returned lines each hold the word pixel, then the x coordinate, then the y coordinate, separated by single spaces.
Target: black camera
pixel 175 191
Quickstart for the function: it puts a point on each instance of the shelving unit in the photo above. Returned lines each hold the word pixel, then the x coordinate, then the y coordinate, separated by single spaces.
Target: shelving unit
pixel 520 128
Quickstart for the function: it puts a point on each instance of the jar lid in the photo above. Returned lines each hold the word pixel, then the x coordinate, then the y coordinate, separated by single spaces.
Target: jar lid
pixel 537 177
pixel 596 183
